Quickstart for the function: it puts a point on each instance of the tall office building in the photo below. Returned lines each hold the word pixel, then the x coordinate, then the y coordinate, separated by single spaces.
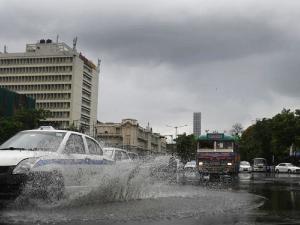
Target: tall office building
pixel 197 123
pixel 59 78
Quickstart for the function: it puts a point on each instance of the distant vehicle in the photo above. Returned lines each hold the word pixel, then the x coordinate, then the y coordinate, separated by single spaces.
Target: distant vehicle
pixel 190 171
pixel 50 160
pixel 287 168
pixel 191 164
pixel 259 165
pixel 217 155
pixel 245 167
pixel 133 156
pixel 117 154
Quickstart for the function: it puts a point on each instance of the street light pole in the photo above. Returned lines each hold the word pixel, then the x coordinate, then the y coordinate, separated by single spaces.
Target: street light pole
pixel 176 128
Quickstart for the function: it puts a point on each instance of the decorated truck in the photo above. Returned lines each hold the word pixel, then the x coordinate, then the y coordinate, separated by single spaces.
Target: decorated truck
pixel 217 155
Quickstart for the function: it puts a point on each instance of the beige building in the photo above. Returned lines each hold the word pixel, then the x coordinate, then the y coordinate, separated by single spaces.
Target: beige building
pixel 61 80
pixel 129 135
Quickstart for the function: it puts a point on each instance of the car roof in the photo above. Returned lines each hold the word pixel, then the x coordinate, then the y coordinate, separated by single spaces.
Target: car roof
pixel 61 131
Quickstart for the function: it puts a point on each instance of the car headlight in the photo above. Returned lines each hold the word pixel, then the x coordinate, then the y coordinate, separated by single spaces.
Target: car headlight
pixel 200 163
pixel 229 164
pixel 25 166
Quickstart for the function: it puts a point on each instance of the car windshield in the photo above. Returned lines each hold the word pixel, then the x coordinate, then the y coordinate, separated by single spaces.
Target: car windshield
pixel 191 164
pixel 108 153
pixel 35 141
pixel 245 163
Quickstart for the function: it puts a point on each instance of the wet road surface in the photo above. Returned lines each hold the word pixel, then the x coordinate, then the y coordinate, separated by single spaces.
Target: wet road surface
pixel 250 199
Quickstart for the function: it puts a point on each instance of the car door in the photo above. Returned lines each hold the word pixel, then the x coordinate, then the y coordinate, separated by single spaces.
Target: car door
pixel 282 168
pixel 118 156
pixel 95 158
pixel 75 158
pixel 125 157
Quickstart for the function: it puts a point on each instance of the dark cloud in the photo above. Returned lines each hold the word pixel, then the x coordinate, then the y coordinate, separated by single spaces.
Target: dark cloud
pixel 163 60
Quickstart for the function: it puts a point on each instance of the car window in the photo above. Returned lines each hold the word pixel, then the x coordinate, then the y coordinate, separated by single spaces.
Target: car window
pixel 93 147
pixel 108 153
pixel 124 156
pixel 133 156
pixel 75 144
pixel 118 156
pixel 36 140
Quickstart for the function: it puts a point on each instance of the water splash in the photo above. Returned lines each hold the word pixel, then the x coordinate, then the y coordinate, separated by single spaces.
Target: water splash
pixel 132 192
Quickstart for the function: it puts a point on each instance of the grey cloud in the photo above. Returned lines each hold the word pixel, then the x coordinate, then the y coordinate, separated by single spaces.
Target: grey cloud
pixel 159 67
pixel 194 41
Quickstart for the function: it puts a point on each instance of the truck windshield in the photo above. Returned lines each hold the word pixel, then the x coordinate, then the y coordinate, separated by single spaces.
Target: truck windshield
pixel 259 161
pixel 34 141
pixel 224 145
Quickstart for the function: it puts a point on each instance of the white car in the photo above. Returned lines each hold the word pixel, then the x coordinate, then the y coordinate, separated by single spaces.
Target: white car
pixel 287 168
pixel 117 154
pixel 190 171
pixel 245 167
pixel 48 159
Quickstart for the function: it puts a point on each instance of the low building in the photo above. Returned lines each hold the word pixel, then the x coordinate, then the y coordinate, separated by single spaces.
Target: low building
pixel 131 136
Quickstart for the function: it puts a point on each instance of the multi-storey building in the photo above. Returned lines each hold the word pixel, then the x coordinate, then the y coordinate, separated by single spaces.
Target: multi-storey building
pixel 197 124
pixel 59 78
pixel 129 135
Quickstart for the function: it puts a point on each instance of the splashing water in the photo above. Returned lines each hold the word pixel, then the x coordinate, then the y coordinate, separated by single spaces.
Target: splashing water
pixel 130 191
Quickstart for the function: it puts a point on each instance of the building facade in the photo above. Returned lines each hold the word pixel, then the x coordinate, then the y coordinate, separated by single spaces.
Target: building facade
pixel 59 78
pixel 129 135
pixel 197 123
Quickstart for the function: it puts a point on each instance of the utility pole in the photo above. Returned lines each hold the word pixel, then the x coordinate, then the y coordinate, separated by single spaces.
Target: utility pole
pixel 176 128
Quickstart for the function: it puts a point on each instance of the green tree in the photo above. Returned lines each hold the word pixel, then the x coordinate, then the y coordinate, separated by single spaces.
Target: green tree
pixel 186 146
pixel 272 137
pixel 24 119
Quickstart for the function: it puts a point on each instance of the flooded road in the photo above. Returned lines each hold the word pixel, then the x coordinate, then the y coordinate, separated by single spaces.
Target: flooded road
pixel 250 199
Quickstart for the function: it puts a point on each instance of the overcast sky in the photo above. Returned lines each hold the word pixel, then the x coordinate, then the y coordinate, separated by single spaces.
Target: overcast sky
pixel 162 60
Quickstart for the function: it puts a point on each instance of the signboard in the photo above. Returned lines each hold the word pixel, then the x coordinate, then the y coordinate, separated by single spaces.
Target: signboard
pixel 215 136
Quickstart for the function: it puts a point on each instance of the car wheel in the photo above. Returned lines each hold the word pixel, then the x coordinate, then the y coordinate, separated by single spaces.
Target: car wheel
pixel 289 171
pixel 47 185
pixel 277 171
pixel 56 188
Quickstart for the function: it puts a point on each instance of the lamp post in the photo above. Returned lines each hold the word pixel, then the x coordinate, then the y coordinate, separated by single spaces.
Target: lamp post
pixel 176 128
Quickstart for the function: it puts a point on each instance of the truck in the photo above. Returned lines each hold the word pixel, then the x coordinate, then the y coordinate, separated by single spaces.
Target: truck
pixel 217 155
pixel 259 165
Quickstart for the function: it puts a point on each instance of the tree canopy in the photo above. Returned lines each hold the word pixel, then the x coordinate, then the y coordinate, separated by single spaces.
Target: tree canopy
pixel 24 119
pixel 186 146
pixel 272 137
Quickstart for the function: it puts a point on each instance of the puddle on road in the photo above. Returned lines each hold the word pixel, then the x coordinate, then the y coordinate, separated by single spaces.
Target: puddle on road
pixel 132 192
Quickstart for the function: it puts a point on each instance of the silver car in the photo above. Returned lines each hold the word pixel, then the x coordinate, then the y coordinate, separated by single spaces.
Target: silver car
pixel 287 168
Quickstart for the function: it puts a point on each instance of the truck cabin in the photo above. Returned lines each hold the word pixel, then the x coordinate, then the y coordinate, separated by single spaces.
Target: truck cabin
pixel 216 153
pixel 216 143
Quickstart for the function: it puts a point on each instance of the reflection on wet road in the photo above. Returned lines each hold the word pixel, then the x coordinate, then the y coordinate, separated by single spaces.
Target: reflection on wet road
pixel 250 199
